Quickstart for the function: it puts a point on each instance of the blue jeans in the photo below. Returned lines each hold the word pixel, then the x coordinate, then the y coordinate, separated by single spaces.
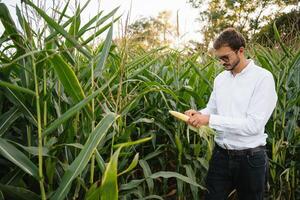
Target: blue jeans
pixel 246 173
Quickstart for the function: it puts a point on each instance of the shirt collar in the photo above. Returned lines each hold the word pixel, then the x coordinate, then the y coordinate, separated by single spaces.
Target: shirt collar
pixel 246 69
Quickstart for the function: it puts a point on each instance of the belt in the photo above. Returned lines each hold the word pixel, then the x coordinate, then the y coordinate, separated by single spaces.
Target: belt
pixel 250 151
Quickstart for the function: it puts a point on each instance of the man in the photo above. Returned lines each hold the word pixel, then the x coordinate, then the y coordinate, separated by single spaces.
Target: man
pixel 241 103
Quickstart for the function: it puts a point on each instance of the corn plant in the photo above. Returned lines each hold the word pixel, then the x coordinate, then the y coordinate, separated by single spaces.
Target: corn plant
pixel 283 129
pixel 66 107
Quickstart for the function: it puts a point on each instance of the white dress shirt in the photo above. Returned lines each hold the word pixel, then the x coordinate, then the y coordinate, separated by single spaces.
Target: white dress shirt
pixel 240 106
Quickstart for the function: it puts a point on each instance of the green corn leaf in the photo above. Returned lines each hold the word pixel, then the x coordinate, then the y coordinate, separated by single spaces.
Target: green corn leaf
pixel 32 150
pixel 67 53
pixel 88 24
pixel 13 177
pixel 191 174
pixel 126 144
pixel 59 29
pixel 153 154
pixel 104 28
pixel 19 100
pixel 166 174
pixel 18 158
pixel 144 120
pixel 20 193
pixel 73 30
pixel 99 22
pixel 24 24
pixel 1 195
pixel 132 165
pixel 295 70
pixel 278 38
pixel 83 158
pixel 16 87
pixel 11 29
pixel 138 71
pixel 68 78
pixel 179 147
pixel 109 186
pixel 147 173
pixel 62 14
pixel 93 192
pixel 131 185
pixel 276 33
pixel 144 57
pixel 202 74
pixel 8 118
pixel 100 161
pixel 104 53
pixel 72 111
pixel 106 17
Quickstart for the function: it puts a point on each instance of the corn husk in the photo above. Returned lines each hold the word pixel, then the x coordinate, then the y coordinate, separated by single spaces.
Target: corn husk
pixel 204 131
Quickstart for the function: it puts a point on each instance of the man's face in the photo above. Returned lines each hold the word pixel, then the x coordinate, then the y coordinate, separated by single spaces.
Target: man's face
pixel 228 57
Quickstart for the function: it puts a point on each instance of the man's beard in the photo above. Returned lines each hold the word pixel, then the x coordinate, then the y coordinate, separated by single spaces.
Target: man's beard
pixel 232 66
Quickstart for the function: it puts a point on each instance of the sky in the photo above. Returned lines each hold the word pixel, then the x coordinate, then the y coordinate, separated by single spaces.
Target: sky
pixel 189 27
pixel 187 15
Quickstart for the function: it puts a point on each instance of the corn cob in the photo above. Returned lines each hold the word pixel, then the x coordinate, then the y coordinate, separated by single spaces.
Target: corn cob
pixel 202 130
pixel 179 115
pixel 184 118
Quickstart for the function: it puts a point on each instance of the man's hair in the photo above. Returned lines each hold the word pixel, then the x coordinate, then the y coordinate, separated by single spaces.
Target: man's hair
pixel 231 38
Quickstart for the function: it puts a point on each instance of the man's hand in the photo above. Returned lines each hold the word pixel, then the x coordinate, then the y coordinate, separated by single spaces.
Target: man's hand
pixel 196 118
pixel 191 112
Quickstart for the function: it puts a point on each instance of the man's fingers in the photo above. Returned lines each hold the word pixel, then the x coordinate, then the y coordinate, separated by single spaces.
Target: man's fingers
pixel 198 125
pixel 191 121
pixel 190 112
pixel 194 121
pixel 198 120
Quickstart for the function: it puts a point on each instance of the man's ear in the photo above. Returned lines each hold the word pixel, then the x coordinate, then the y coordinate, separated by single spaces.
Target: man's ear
pixel 242 50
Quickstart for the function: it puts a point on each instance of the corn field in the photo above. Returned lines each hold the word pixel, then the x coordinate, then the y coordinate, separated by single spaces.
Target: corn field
pixel 87 120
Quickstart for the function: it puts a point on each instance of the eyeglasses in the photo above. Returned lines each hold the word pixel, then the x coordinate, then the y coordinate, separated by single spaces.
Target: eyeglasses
pixel 225 58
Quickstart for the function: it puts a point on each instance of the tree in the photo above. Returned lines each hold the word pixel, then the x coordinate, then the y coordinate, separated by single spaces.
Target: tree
pixel 152 31
pixel 288 25
pixel 247 16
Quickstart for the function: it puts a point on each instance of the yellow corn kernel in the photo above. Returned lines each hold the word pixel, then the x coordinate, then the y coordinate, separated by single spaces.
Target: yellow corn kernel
pixel 179 115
